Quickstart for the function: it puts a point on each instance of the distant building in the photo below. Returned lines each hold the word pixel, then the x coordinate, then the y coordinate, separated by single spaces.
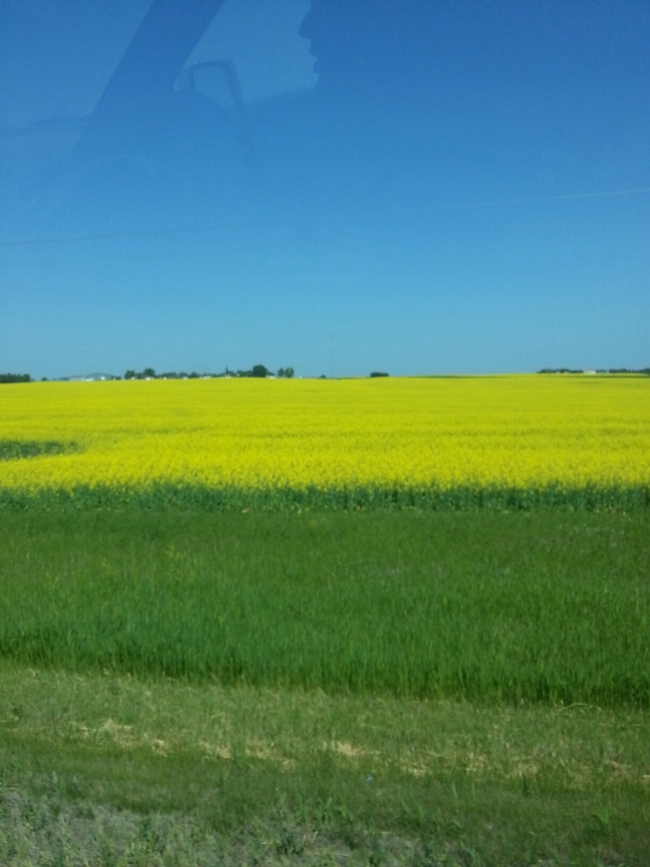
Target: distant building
pixel 90 377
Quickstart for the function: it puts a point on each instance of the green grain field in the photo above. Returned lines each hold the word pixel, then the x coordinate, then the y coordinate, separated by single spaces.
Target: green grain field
pixel 481 607
pixel 412 687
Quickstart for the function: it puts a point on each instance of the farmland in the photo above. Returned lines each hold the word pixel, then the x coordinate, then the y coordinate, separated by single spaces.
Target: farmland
pixel 536 440
pixel 396 621
pixel 490 607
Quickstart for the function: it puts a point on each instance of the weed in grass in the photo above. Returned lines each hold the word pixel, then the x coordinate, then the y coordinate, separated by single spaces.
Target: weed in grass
pixel 289 842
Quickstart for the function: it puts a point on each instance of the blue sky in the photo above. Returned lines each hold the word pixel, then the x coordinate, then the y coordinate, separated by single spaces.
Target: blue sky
pixel 459 187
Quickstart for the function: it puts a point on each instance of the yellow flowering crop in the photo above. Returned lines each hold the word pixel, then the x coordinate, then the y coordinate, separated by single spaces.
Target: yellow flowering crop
pixel 524 432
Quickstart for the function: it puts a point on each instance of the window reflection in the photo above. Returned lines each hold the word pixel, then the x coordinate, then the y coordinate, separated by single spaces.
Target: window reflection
pixel 415 104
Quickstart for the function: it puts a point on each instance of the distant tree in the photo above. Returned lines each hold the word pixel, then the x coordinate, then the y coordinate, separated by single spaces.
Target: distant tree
pixel 260 370
pixel 377 373
pixel 149 371
pixel 15 377
pixel 130 374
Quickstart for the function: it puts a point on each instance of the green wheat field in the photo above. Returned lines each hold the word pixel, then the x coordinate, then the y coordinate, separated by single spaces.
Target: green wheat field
pixel 186 687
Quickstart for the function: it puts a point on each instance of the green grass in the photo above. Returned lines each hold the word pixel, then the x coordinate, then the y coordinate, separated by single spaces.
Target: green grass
pixel 410 687
pixel 101 769
pixel 484 606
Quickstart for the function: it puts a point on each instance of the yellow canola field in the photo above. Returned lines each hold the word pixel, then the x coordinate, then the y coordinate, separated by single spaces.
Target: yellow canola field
pixel 521 431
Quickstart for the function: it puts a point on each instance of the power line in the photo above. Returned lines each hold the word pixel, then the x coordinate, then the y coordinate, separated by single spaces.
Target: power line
pixel 189 230
pixel 148 233
pixel 560 198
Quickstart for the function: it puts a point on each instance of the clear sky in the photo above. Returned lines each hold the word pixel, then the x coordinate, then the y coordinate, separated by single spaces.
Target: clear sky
pixel 410 186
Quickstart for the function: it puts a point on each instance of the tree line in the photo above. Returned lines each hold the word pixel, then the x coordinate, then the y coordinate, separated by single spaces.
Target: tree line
pixel 15 377
pixel 259 371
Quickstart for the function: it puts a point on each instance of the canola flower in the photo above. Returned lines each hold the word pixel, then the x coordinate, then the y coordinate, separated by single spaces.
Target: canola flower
pixel 535 433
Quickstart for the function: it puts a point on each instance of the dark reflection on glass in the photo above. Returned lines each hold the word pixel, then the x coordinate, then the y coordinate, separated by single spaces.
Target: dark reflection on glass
pixel 428 124
pixel 417 104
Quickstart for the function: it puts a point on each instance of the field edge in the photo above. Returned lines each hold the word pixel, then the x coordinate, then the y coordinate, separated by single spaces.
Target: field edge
pixel 590 497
